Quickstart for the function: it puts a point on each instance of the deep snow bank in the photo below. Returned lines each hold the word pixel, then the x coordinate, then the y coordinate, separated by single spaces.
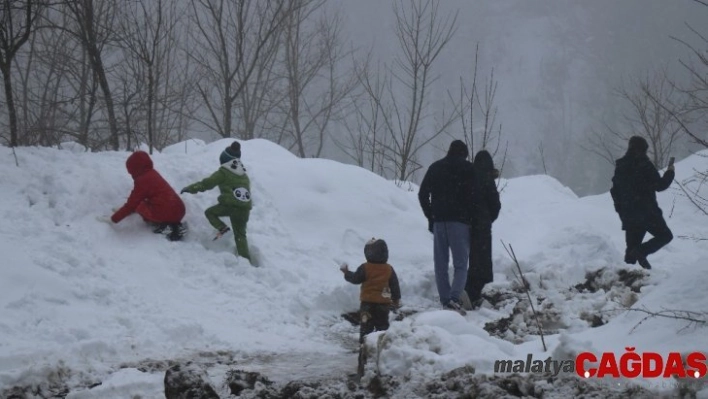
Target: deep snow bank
pixel 95 296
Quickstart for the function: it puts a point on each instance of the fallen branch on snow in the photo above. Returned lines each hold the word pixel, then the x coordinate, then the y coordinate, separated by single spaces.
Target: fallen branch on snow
pixel 690 198
pixel 693 238
pixel 527 288
pixel 693 318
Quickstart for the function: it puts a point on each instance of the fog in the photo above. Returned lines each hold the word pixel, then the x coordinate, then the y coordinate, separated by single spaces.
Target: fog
pixel 557 64
pixel 564 82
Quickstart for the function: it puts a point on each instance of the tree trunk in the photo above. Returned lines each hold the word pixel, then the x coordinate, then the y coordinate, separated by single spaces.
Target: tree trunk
pixel 105 88
pixel 11 111
pixel 228 109
pixel 150 105
pixel 98 67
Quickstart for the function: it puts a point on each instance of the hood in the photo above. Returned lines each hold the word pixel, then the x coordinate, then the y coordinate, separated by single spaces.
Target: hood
pixel 376 251
pixel 458 148
pixel 138 163
pixel 235 166
pixel 637 147
pixel 484 165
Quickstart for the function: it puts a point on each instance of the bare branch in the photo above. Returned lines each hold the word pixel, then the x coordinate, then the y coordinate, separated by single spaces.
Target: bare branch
pixel 422 35
pixel 694 318
pixel 527 288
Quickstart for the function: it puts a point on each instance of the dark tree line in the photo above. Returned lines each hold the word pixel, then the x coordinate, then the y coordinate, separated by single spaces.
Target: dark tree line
pixel 113 75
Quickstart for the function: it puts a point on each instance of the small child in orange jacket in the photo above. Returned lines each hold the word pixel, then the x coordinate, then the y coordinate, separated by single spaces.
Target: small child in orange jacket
pixel 379 287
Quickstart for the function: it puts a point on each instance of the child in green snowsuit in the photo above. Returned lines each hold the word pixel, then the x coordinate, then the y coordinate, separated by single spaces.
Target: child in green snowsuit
pixel 235 197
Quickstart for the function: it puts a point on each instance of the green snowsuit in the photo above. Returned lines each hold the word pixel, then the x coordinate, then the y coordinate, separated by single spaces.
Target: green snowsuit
pixel 234 200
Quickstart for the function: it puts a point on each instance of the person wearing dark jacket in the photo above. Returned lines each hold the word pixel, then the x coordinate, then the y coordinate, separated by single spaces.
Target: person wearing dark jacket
pixel 446 197
pixel 379 288
pixel 634 186
pixel 486 211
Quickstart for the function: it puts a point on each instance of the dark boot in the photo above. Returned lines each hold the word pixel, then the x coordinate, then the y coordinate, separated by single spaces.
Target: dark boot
pixel 629 259
pixel 641 258
pixel 177 231
pixel 159 228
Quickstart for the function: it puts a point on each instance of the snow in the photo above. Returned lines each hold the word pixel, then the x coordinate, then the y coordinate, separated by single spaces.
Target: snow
pixel 79 294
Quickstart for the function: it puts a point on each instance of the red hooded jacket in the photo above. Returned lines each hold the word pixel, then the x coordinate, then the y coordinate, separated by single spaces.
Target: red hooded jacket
pixel 152 197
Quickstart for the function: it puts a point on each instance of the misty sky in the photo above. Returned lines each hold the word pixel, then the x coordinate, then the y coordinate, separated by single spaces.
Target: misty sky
pixel 556 62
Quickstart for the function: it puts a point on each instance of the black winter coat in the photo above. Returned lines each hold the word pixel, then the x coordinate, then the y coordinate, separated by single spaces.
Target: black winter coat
pixel 447 191
pixel 487 204
pixel 634 188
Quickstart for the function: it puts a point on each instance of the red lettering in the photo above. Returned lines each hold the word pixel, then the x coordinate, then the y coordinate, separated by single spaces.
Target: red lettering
pixel 630 364
pixel 608 365
pixel 697 362
pixel 674 366
pixel 647 359
pixel 580 360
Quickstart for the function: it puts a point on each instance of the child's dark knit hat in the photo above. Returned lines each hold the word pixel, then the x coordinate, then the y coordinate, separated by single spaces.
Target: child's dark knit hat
pixel 230 153
pixel 376 251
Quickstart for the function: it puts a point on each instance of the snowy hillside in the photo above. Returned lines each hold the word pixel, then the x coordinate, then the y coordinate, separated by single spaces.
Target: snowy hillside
pixel 102 301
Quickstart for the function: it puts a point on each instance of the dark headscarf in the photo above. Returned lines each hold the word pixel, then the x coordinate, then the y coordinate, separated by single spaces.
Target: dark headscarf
pixel 637 147
pixel 484 165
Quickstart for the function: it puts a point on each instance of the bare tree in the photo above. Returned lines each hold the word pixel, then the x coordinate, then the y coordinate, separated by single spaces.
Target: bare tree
pixel 697 90
pixel 130 84
pixel 17 18
pixel 176 100
pixel 484 134
pixel 147 36
pixel 85 85
pixel 422 34
pixel 364 127
pixel 232 37
pixel 315 87
pixel 652 103
pixel 603 142
pixel 79 101
pixel 261 94
pixel 41 72
pixel 57 92
pixel 94 26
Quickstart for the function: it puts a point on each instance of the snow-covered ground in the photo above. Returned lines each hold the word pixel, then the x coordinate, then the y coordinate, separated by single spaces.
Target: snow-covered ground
pixel 96 303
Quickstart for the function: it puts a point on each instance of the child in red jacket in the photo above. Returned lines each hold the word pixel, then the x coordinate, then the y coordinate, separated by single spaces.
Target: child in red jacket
pixel 152 198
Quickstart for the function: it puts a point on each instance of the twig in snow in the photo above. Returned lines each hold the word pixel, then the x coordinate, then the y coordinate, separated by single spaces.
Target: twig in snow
pixel 15 154
pixel 693 238
pixel 692 317
pixel 690 198
pixel 673 206
pixel 527 288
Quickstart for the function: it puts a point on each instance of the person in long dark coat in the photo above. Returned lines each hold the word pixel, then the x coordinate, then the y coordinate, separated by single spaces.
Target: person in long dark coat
pixel 634 187
pixel 486 211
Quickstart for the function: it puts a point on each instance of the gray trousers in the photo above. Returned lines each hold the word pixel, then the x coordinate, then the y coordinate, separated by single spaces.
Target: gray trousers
pixel 451 237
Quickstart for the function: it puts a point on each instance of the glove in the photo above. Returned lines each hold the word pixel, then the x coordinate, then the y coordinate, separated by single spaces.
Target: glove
pixel 344 267
pixel 104 219
pixel 184 190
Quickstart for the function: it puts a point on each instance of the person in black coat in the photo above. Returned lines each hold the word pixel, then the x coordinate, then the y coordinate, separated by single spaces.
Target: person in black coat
pixel 486 211
pixel 446 196
pixel 634 186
